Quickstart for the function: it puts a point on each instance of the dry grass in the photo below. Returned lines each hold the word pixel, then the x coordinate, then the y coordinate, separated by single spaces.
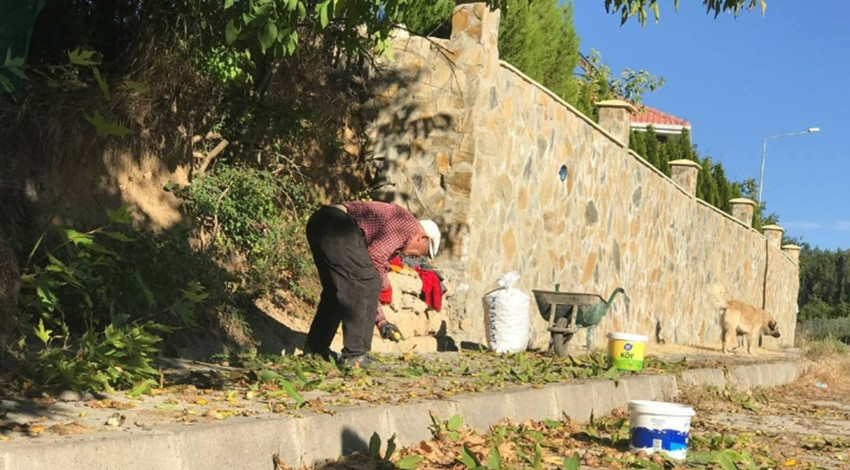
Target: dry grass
pixel 830 367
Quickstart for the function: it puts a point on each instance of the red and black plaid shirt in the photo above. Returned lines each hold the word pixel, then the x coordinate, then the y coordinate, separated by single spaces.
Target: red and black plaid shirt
pixel 388 228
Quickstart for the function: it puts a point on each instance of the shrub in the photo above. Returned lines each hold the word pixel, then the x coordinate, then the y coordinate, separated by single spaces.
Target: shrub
pixel 254 216
pixel 89 319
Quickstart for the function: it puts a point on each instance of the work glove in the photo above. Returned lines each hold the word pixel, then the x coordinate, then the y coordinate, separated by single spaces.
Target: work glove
pixel 386 295
pixel 389 331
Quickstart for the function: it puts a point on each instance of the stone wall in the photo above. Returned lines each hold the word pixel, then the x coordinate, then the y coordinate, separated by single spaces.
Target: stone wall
pixel 491 176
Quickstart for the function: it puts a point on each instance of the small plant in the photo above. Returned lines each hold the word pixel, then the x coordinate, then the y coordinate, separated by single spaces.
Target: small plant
pixel 255 216
pixel 384 462
pixel 89 320
pixel 449 428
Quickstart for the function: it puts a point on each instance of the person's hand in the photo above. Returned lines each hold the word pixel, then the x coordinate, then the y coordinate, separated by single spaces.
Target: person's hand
pixel 386 295
pixel 389 331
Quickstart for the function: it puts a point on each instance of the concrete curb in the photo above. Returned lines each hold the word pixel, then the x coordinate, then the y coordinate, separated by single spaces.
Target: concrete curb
pixel 249 443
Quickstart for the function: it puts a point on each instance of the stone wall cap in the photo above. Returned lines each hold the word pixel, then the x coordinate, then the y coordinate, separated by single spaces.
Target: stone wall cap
pixel 616 104
pixel 684 162
pixel 792 247
pixel 772 227
pixel 743 200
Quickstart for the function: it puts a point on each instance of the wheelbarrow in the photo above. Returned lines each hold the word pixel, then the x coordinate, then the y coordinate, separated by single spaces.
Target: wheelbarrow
pixel 566 312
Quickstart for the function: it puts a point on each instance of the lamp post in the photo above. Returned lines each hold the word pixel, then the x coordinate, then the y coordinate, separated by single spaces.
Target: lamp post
pixel 810 130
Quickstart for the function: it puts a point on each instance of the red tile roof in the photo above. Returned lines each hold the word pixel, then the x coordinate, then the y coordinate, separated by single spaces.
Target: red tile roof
pixel 649 115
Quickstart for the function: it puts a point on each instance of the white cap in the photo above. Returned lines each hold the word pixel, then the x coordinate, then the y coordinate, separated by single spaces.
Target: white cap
pixel 433 233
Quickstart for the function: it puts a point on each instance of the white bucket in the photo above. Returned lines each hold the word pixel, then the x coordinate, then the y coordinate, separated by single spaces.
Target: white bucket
pixel 659 426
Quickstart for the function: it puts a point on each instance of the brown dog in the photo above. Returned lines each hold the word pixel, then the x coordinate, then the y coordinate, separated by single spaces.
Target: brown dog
pixel 746 322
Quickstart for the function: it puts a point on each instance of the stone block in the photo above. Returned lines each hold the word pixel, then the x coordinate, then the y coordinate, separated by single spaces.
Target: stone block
pixel 534 403
pixel 414 303
pixel 444 166
pixel 403 319
pixel 742 209
pixel 684 173
pixel 356 424
pixel 437 323
pixel 703 377
pixel 459 182
pixel 405 282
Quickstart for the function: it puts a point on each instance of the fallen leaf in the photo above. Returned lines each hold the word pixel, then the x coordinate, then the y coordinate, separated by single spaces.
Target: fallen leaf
pixel 67 429
pixel 35 429
pixel 115 420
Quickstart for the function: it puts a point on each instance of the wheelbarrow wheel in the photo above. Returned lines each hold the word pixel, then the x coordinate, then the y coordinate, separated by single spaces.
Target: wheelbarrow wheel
pixel 560 340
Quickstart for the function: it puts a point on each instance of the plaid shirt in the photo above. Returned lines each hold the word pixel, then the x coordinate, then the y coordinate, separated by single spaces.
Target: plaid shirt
pixel 388 228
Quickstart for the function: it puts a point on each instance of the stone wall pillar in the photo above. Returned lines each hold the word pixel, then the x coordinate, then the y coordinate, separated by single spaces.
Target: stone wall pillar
pixel 742 209
pixel 773 234
pixel 793 252
pixel 684 173
pixel 615 117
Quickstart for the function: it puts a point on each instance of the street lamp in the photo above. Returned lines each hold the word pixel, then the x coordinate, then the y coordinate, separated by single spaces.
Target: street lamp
pixel 810 130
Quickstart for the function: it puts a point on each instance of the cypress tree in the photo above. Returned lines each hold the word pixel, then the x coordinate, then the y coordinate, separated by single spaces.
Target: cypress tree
pixel 686 148
pixel 710 193
pixel 652 147
pixel 724 188
pixel 538 38
pixel 429 17
pixel 637 142
pixel 663 159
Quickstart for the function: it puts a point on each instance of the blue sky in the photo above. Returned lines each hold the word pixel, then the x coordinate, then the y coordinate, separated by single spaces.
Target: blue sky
pixel 738 80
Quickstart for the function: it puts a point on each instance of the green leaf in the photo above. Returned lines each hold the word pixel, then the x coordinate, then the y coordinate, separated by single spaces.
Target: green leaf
pixel 299 374
pixel 375 446
pixel 76 237
pixel 572 463
pixel 468 458
pixel 454 423
pixel 552 424
pixel 228 4
pixel 268 35
pixel 231 32
pixel 15 65
pixel 82 57
pixel 101 83
pixel 41 333
pixel 195 293
pixel 727 459
pixel 119 236
pixel 143 388
pixel 106 128
pixel 7 84
pixel 119 216
pixel 538 457
pixel 323 13
pixel 167 407
pixel 135 87
pixel 98 248
pixel 494 460
pixel 748 405
pixel 289 388
pixel 390 448
pixel 612 374
pixel 270 376
pixel 409 463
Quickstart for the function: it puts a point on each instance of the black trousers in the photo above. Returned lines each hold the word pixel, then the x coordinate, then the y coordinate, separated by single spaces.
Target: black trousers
pixel 350 282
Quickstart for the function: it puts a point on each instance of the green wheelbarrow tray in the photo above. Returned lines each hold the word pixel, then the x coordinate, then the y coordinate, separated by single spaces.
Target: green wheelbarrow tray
pixel 566 312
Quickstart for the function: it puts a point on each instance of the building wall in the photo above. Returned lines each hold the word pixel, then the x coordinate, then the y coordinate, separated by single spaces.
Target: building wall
pixel 490 176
